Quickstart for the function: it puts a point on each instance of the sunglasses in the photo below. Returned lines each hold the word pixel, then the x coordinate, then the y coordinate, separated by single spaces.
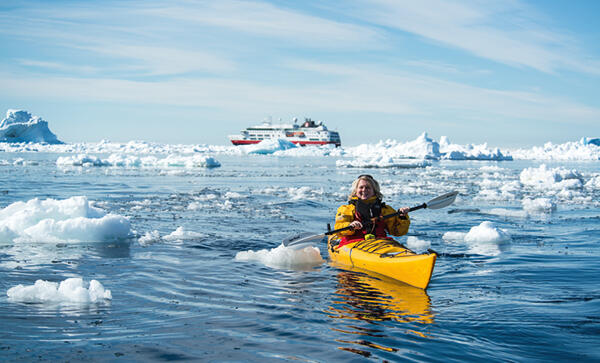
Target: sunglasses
pixel 365 176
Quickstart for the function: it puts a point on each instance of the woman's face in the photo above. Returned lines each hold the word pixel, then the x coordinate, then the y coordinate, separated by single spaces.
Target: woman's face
pixel 364 190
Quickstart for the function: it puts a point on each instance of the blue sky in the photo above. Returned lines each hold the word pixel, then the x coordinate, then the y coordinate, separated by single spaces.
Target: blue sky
pixel 510 73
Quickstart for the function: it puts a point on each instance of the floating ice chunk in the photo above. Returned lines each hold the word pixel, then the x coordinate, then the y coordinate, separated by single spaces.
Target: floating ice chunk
pixel 193 161
pixel 70 220
pixel 181 234
pixel 539 205
pixel 23 162
pixel 382 162
pixel 593 183
pixel 421 148
pixel 417 245
pixel 584 149
pixel 311 150
pixel 284 257
pixel 268 146
pixel 454 236
pixel 472 152
pixel 295 193
pixel 509 212
pixel 121 160
pixel 71 290
pixel 149 238
pixel 487 232
pixel 557 178
pixel 81 160
pixel 498 190
pixel 485 239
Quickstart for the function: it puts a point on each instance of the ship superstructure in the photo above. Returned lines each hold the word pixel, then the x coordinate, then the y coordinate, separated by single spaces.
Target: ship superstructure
pixel 308 132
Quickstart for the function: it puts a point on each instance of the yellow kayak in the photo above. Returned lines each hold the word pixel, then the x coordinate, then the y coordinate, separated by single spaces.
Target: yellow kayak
pixel 386 257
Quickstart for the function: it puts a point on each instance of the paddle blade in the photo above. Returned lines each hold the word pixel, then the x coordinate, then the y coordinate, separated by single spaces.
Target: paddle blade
pixel 302 238
pixel 442 201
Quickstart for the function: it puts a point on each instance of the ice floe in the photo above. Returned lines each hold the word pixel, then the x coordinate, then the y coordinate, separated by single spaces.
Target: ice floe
pixel 545 178
pixel 122 160
pixel 283 257
pixel 416 244
pixel 268 146
pixel 71 290
pixel 484 239
pixel 584 149
pixel 178 236
pixel 70 220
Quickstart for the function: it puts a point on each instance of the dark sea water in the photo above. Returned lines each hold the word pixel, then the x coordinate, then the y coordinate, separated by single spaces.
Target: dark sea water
pixel 534 298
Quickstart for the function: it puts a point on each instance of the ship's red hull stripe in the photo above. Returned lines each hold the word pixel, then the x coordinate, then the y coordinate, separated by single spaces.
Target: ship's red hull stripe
pixel 246 142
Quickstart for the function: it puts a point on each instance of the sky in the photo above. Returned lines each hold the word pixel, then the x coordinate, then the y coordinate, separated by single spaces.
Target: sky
pixel 510 73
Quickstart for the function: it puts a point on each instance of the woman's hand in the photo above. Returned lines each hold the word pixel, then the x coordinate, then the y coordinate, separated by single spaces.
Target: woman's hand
pixel 404 211
pixel 356 225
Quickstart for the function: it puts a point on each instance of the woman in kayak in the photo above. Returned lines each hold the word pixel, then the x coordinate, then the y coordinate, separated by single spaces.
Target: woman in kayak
pixel 363 210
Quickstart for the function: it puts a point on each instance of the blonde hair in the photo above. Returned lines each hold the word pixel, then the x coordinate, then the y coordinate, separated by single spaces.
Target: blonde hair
pixel 369 179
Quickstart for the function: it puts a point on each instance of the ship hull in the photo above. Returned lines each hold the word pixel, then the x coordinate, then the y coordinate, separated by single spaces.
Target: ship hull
pixel 301 143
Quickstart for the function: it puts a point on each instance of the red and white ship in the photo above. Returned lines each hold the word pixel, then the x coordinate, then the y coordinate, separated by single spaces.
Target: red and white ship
pixel 308 133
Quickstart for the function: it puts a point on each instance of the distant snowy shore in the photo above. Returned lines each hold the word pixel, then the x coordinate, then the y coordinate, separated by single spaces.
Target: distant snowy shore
pixel 22 132
pixel 388 153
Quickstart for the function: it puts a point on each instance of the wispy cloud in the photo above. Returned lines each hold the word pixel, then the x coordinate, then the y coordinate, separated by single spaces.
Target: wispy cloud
pixel 154 60
pixel 355 88
pixel 504 32
pixel 63 67
pixel 267 20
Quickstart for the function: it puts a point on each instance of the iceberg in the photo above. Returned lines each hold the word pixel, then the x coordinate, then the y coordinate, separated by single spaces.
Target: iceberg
pixel 269 146
pixel 388 153
pixel 21 126
pixel 584 149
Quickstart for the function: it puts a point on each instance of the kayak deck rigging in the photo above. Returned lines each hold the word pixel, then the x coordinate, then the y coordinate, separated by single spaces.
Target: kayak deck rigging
pixel 387 257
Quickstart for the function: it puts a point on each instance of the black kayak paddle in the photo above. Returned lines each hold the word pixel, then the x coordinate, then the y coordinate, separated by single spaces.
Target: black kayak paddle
pixel 308 237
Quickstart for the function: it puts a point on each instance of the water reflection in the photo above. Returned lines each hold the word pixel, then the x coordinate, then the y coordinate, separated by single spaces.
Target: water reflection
pixel 368 297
